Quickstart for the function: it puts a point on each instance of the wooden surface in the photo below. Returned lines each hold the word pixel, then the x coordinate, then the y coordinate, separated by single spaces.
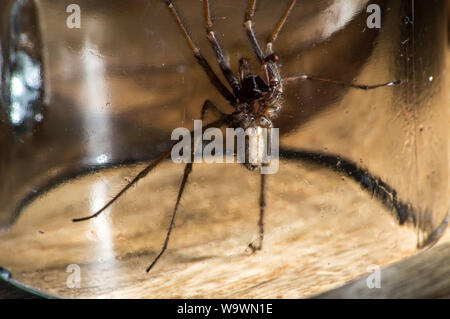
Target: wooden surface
pixel 306 245
pixel 318 244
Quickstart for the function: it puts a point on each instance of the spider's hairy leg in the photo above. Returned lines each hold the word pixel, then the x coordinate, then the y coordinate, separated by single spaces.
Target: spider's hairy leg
pixel 147 170
pixel 341 83
pixel 215 44
pixel 248 24
pixel 187 172
pixel 274 36
pixel 139 176
pixel 214 79
pixel 208 105
pixel 262 207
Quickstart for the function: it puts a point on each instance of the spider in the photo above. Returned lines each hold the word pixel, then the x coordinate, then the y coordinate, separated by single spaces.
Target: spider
pixel 257 100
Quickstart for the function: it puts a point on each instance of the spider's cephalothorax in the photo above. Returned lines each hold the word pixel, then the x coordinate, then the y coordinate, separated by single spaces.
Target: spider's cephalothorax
pixel 259 97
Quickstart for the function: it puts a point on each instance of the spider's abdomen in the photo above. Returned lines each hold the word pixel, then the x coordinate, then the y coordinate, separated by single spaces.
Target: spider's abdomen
pixel 256 148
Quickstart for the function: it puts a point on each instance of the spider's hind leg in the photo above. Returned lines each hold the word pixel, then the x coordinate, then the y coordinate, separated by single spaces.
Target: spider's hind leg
pixel 262 207
pixel 187 172
pixel 208 105
pixel 138 177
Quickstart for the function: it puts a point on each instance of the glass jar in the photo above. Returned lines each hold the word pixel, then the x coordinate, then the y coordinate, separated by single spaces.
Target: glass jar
pixel 92 91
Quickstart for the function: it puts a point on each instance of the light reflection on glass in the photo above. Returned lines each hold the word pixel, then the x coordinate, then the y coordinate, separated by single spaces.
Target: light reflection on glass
pixel 96 119
pixel 104 247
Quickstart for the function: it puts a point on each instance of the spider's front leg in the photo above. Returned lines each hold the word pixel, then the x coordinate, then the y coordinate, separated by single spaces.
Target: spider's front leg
pixel 217 48
pixel 248 24
pixel 213 78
